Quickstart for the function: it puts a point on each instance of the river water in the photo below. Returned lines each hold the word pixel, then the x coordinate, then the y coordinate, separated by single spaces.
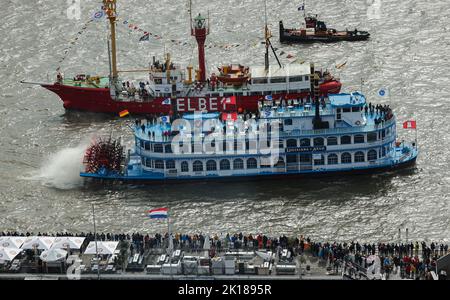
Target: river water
pixel 42 144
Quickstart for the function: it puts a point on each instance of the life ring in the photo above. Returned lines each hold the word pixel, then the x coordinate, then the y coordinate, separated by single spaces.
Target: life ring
pixel 198 123
pixel 358 123
pixel 167 89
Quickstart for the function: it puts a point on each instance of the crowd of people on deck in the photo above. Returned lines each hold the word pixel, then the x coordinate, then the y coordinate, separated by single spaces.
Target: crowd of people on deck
pixel 411 260
pixel 383 113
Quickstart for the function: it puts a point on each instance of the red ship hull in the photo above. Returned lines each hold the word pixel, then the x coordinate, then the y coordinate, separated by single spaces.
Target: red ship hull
pixel 99 100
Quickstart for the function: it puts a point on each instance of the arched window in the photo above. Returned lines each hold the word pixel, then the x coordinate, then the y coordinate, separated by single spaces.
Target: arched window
pixel 170 164
pixel 148 163
pixel 184 167
pixel 346 140
pixel 238 164
pixel 332 159
pixel 346 158
pixel 305 142
pixel 211 165
pixel 158 148
pixel 198 166
pixel 225 164
pixel 332 141
pixel 252 163
pixel 291 143
pixel 318 142
pixel 359 139
pixel 168 148
pixel 280 163
pixel 159 164
pixel 360 157
pixel 372 155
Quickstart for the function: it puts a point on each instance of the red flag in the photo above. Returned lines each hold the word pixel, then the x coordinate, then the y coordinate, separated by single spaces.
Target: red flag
pixel 229 100
pixel 229 117
pixel 410 125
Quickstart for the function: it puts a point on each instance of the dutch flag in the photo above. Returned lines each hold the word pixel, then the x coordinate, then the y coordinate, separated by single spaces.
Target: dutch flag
pixel 159 213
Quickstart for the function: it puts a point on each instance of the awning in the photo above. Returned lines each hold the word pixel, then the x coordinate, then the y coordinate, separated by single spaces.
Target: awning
pixel 104 248
pixel 68 243
pixel 12 241
pixel 38 242
pixel 8 254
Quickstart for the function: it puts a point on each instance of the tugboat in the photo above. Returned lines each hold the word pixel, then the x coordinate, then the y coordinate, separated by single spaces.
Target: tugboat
pixel 341 134
pixel 169 89
pixel 317 31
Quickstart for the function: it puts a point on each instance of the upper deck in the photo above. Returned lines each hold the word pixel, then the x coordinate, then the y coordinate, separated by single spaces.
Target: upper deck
pixel 161 132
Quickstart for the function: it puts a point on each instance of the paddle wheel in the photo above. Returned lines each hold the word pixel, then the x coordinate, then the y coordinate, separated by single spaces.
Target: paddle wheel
pixel 104 156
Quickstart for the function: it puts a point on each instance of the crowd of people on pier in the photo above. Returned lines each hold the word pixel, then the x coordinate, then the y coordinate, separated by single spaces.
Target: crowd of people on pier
pixel 410 260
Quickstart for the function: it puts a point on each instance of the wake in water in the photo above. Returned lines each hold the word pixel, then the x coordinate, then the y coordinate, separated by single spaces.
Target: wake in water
pixel 62 169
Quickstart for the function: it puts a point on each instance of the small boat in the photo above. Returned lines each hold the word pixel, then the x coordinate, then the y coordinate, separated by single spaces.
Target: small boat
pixel 317 31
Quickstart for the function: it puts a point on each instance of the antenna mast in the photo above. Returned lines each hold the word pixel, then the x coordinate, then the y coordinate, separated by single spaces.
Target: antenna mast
pixel 267 37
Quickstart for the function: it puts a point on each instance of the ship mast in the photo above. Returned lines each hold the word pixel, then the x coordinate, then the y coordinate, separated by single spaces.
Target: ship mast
pixel 110 8
pixel 267 36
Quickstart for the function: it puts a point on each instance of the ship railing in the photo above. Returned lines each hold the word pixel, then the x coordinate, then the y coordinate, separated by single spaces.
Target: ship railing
pixel 367 128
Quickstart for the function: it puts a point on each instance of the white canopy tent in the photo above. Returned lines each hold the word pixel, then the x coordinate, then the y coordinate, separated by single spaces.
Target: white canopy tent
pixel 12 241
pixel 73 243
pixel 104 248
pixel 38 242
pixel 8 254
pixel 53 255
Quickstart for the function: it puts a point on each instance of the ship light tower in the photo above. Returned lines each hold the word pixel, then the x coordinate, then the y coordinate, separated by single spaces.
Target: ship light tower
pixel 200 30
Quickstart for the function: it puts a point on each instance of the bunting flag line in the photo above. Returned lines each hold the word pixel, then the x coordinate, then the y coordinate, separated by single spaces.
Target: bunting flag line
pixel 72 42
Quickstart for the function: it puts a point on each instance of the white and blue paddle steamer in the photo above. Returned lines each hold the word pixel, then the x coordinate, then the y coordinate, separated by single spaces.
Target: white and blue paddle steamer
pixel 340 134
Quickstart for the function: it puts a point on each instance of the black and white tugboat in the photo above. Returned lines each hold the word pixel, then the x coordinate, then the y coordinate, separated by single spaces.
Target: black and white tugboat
pixel 317 31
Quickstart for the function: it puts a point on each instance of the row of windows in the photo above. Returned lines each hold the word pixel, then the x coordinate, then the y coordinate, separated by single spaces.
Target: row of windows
pixel 333 140
pixel 198 166
pixel 252 163
pixel 261 93
pixel 280 79
pixel 251 145
pixel 349 109
pixel 333 158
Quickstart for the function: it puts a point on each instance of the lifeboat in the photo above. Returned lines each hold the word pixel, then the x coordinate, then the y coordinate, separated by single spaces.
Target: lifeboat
pixel 233 74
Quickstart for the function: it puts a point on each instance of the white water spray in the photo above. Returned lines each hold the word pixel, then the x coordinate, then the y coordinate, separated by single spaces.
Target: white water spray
pixel 62 169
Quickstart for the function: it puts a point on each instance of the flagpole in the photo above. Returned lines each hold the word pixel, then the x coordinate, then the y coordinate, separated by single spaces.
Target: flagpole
pixel 96 245
pixel 417 145
pixel 168 244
